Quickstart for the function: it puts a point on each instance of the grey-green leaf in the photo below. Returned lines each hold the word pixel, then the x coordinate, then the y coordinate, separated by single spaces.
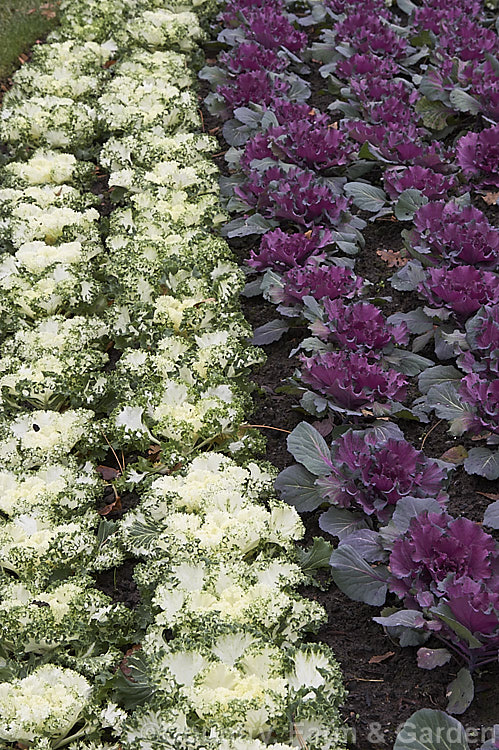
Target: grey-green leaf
pixel 460 692
pixel 491 517
pixel 308 447
pixel 431 730
pixel 357 579
pixel 484 462
pixel 367 197
pixel 297 487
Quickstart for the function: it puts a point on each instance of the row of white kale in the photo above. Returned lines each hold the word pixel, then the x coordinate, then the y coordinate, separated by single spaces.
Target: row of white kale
pixel 221 663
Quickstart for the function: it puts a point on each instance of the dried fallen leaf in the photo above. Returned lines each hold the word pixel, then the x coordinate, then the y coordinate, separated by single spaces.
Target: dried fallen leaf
pixel 108 473
pixel 489 495
pixel 491 198
pixel 455 455
pixel 393 258
pixel 116 505
pixel 382 657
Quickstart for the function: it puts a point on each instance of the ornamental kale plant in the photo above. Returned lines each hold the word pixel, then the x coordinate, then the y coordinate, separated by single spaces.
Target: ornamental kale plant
pixel 272 30
pixel 250 56
pixel 456 235
pixel 480 346
pixel 478 156
pixel 428 182
pixel 445 566
pixel 316 281
pixel 463 289
pixel 367 33
pixel 352 381
pixel 296 195
pixel 254 86
pixel 482 396
pixel 365 472
pixel 316 145
pixel 281 251
pixel 371 473
pixel 360 325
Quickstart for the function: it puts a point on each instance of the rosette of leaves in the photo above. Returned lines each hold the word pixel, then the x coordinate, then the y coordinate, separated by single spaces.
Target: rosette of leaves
pixel 363 475
pixel 471 405
pixel 349 383
pixel 445 571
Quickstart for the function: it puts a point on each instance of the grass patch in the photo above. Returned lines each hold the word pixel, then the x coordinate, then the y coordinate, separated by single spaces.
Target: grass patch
pixel 22 22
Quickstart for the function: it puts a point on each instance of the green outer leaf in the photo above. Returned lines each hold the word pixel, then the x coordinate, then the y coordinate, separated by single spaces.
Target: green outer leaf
pixel 408 203
pixel 460 692
pixel 367 197
pixel 297 487
pixel 341 522
pixel 269 332
pixel 484 462
pixel 316 556
pixel 356 578
pixel 431 730
pixel 438 375
pixel 491 517
pixel 464 102
pixel 308 447
pixel 433 113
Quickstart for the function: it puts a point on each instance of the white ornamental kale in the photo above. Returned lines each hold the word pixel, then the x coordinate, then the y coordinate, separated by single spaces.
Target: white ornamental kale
pixel 35 548
pixel 58 361
pixel 68 619
pixel 162 28
pixel 212 510
pixel 45 167
pixel 129 104
pixel 66 69
pixel 46 704
pixel 240 593
pixel 53 121
pixel 39 436
pixel 55 490
pixel 132 151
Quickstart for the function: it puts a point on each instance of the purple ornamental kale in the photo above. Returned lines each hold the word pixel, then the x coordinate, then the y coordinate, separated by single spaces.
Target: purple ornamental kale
pixel 456 235
pixel 367 33
pixel 369 6
pixel 351 380
pixel 282 251
pixel 296 196
pixel 319 282
pixel 478 156
pixel 367 67
pixel 235 10
pixel 466 39
pixel 250 56
pixel 430 183
pixel 400 145
pixel 287 112
pixel 481 81
pixel 433 15
pixel 373 475
pixel 272 30
pixel 441 560
pixel 437 546
pixel 358 326
pixel 463 289
pixel 482 396
pixel 300 142
pixel 482 338
pixel 256 86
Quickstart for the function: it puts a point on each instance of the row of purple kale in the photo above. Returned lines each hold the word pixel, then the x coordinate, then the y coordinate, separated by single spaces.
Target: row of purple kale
pixel 409 96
